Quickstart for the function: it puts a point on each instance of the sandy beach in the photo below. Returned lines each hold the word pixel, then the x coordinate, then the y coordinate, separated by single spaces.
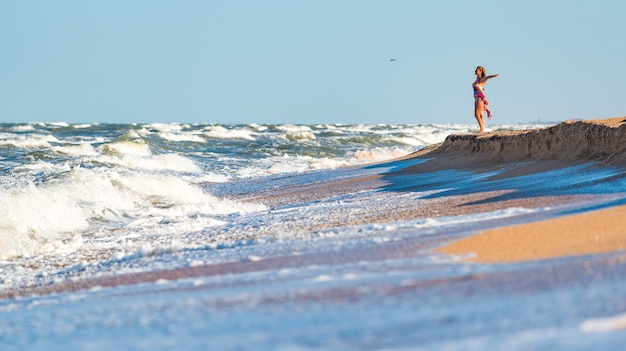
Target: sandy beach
pixel 589 233
pixel 506 218
pixel 580 234
pixel 499 155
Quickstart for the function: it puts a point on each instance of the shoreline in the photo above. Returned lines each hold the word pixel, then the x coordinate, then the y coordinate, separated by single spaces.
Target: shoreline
pixel 595 142
pixel 492 159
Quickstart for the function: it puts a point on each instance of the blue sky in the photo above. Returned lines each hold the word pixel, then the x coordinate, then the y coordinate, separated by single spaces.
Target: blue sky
pixel 318 61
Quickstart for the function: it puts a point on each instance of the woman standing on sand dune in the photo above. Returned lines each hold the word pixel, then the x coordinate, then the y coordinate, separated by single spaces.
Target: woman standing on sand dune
pixel 480 101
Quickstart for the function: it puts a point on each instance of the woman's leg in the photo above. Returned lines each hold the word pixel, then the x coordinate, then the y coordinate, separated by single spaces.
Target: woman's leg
pixel 478 113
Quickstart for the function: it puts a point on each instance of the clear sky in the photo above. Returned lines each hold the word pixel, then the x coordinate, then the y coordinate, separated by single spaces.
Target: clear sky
pixel 309 61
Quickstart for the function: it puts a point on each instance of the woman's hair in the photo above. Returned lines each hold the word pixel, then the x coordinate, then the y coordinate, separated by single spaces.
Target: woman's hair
pixel 483 71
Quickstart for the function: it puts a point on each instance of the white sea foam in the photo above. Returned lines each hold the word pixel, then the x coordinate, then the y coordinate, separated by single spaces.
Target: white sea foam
pixel 181 137
pixel 172 162
pixel 258 127
pixel 300 135
pixel 23 141
pixel 289 164
pixel 166 127
pixel 22 128
pixel 135 148
pixel 55 215
pixel 212 178
pixel 378 154
pixel 34 218
pixel 290 128
pixel 606 324
pixel 134 135
pixel 219 132
pixel 59 124
pixel 83 149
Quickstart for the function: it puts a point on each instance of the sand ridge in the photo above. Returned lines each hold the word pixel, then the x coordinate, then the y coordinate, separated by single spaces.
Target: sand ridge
pixel 602 142
pixel 571 142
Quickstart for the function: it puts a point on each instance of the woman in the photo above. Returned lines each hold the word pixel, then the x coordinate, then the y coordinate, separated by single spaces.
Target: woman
pixel 480 101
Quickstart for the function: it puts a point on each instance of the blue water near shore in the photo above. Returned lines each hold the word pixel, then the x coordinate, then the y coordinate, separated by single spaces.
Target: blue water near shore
pixel 91 201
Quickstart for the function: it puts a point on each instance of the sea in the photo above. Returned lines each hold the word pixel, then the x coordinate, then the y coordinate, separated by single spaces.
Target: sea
pixel 63 183
pixel 94 200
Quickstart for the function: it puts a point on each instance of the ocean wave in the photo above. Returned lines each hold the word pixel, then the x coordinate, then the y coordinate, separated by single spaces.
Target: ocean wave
pixel 166 127
pixel 37 141
pixel 162 163
pixel 22 128
pixel 290 128
pixel 220 132
pixel 301 135
pixel 134 148
pixel 379 154
pixel 59 214
pixel 83 149
pixel 177 137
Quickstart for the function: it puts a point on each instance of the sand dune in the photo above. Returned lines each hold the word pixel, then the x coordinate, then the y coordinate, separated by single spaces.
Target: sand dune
pixel 575 142
pixel 597 140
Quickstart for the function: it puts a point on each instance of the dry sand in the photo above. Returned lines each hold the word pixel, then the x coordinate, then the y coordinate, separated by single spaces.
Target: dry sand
pixel 582 234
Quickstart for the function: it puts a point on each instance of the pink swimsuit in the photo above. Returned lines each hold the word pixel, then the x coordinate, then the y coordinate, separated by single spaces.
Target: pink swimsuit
pixel 479 94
